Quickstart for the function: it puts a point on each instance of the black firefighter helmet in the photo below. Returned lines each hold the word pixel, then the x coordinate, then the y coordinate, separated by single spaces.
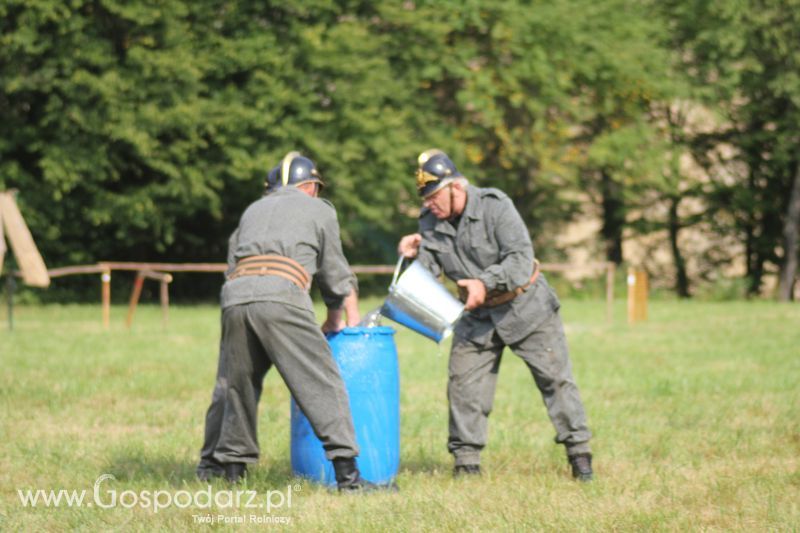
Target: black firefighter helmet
pixel 435 171
pixel 293 170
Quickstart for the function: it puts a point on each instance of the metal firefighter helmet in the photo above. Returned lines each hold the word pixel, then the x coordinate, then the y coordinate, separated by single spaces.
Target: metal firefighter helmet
pixel 273 179
pixel 294 169
pixel 435 171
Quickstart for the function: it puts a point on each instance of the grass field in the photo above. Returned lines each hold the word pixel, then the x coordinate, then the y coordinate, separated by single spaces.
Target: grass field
pixel 696 416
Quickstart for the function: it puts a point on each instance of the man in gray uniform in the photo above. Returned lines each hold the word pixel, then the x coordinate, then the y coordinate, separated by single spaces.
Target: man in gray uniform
pixel 284 239
pixel 476 237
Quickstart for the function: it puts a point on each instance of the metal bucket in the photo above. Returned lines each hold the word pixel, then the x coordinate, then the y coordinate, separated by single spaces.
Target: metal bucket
pixel 418 301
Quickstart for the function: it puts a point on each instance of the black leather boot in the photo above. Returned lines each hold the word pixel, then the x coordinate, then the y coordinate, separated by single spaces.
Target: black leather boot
pixel 466 470
pixel 207 474
pixel 209 469
pixel 235 472
pixel 581 466
pixel 348 478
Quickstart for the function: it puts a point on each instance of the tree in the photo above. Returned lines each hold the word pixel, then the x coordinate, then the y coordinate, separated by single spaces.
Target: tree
pixel 548 100
pixel 105 126
pixel 745 54
pixel 791 230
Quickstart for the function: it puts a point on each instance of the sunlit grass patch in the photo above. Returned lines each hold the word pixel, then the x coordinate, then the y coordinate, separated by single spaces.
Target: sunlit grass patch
pixel 696 417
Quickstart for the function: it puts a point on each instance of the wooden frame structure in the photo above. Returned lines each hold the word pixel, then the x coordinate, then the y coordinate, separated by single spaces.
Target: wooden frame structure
pixel 162 272
pixel 29 261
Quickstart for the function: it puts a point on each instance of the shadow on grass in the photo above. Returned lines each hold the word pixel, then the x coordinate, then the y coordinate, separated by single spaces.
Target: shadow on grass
pixel 425 466
pixel 139 468
pixel 155 470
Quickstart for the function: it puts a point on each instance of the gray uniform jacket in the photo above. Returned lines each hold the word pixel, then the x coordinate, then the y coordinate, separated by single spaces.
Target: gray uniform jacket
pixel 491 243
pixel 292 224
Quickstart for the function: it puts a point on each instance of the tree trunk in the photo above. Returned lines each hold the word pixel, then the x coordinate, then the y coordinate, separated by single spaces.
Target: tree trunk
pixel 613 218
pixel 791 234
pixel 681 278
pixel 756 275
pixel 754 261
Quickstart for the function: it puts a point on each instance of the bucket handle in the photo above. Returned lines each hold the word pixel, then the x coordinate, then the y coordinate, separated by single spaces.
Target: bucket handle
pixel 397 270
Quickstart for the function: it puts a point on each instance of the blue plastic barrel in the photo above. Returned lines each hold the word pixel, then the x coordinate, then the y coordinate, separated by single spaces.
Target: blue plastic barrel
pixel 367 360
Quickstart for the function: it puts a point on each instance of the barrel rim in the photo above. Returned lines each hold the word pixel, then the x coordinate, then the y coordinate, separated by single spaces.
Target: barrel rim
pixel 358 330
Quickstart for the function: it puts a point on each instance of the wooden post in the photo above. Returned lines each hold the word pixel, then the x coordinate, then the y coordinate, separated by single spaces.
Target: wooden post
pixel 29 261
pixel 165 300
pixel 10 286
pixel 611 270
pixel 135 294
pixel 165 279
pixel 105 280
pixel 637 295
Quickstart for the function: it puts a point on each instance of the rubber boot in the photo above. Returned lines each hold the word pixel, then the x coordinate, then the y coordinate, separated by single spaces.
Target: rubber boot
pixel 581 466
pixel 348 478
pixel 235 472
pixel 466 470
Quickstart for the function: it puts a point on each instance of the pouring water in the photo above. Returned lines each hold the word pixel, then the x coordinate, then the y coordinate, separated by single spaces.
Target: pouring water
pixel 372 319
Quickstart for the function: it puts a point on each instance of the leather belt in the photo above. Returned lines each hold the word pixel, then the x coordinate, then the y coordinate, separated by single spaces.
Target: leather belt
pixel 495 297
pixel 272 265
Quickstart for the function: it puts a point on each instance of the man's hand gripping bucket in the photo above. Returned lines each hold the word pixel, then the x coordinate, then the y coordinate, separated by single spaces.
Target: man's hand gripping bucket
pixel 418 301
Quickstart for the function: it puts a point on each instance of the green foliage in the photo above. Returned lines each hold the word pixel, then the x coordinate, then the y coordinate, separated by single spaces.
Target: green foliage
pixel 105 128
pixel 744 59
pixel 140 130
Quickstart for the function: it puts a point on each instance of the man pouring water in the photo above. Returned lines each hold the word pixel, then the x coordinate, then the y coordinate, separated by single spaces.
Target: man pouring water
pixel 476 237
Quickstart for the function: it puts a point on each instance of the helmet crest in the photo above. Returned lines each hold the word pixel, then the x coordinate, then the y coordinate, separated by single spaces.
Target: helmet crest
pixel 435 171
pixel 294 169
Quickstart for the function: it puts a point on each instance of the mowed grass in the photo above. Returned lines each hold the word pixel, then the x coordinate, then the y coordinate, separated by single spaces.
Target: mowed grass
pixel 696 417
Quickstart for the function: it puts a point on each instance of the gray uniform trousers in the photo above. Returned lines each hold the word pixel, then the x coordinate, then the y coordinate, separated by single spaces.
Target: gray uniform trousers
pixel 256 336
pixel 473 377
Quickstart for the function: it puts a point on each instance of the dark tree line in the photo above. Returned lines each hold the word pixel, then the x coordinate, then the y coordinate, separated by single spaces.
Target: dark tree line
pixel 139 130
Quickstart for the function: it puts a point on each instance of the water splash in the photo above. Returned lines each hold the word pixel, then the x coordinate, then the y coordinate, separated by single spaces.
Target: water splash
pixel 371 319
